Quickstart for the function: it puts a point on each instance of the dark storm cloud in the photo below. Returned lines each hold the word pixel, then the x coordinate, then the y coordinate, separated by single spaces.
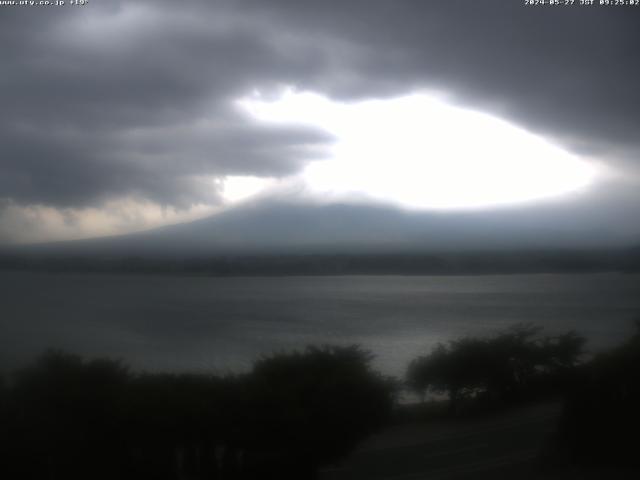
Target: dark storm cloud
pixel 568 72
pixel 70 168
pixel 115 101
pixel 134 98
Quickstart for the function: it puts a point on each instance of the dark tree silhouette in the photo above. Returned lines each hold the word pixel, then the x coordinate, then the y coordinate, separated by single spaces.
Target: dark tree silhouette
pixel 501 369
pixel 64 417
pixel 317 404
pixel 68 418
pixel 601 418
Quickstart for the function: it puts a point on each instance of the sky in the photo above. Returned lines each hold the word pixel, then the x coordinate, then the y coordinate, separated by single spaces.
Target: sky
pixel 119 116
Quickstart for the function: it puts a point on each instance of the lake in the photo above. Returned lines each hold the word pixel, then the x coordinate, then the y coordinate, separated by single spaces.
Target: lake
pixel 223 324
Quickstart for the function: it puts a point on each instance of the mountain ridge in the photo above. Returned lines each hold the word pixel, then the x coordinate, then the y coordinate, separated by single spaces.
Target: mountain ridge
pixel 284 238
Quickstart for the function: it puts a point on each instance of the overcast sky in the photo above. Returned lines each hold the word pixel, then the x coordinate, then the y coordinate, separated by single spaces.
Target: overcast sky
pixel 118 116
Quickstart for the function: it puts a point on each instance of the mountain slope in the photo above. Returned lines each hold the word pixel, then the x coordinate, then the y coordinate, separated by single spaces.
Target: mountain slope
pixel 280 227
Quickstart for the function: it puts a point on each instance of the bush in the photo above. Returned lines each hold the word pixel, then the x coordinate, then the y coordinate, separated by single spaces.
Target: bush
pixel 503 368
pixel 601 418
pixel 65 417
pixel 318 403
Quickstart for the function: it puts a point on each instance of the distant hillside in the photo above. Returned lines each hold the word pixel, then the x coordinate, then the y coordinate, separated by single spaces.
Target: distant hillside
pixel 280 238
pixel 443 263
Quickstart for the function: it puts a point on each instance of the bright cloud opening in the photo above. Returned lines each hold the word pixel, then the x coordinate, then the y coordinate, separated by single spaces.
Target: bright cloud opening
pixel 236 188
pixel 419 152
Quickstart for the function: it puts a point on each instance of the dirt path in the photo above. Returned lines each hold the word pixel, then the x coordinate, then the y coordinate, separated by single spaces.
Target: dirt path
pixel 500 446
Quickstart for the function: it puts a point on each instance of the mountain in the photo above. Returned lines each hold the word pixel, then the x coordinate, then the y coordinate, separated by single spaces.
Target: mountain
pixel 280 227
pixel 279 237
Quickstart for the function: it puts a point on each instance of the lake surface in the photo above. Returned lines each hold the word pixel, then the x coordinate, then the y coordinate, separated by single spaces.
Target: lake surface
pixel 223 324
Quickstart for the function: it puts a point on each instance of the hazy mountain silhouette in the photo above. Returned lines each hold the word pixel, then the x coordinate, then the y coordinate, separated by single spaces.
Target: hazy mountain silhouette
pixel 279 227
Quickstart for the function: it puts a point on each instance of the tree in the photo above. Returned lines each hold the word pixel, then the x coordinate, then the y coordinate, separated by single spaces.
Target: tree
pixel 67 411
pixel 601 418
pixel 317 404
pixel 500 368
pixel 292 413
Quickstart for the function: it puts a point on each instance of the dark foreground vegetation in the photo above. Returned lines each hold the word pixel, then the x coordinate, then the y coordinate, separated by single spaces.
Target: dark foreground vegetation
pixel 600 424
pixel 516 365
pixel 65 417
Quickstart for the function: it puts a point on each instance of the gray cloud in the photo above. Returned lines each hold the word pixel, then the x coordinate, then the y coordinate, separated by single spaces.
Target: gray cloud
pixel 130 98
pixel 568 72
pixel 86 119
